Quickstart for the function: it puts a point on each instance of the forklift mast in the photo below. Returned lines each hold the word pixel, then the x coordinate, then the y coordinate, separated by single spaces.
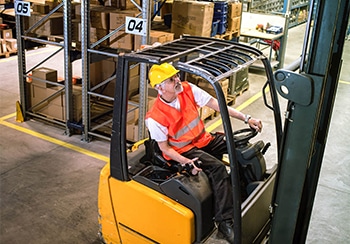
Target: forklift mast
pixel 311 94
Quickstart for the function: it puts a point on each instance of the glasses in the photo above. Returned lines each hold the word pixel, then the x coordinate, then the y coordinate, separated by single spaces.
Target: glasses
pixel 174 77
pixel 171 79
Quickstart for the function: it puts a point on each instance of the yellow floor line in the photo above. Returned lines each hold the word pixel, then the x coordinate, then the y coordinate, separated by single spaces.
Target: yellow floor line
pixel 7 117
pixel 51 139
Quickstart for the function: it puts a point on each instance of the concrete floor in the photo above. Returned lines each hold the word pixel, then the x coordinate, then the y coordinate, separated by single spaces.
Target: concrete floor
pixel 49 181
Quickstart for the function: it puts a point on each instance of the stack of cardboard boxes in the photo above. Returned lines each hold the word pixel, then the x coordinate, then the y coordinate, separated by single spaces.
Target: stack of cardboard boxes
pixel 104 20
pixel 50 27
pixel 206 112
pixel 7 43
pixel 121 39
pixel 48 99
pixel 192 18
pixel 234 17
pixel 105 69
pixel 196 18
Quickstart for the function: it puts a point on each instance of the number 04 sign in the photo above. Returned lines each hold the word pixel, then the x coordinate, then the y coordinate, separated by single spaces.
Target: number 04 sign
pixel 135 26
pixel 22 8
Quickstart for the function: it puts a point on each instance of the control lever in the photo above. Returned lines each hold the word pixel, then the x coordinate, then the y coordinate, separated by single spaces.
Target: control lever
pixel 267 145
pixel 188 168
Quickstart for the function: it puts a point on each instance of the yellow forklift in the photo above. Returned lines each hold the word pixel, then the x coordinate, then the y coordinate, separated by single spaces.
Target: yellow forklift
pixel 144 199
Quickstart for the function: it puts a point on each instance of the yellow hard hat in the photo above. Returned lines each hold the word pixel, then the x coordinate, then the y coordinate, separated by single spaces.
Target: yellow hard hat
pixel 159 73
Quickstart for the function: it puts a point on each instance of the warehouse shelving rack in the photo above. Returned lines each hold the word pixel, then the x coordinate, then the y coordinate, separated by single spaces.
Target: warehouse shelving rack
pixel 65 44
pixel 93 125
pixel 90 124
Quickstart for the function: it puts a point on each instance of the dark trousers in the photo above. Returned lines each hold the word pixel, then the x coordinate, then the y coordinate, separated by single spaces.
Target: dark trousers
pixel 219 179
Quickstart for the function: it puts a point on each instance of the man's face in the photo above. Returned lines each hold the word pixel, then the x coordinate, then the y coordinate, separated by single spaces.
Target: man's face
pixel 173 84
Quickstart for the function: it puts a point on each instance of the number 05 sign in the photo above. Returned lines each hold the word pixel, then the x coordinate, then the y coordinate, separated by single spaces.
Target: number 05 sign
pixel 22 8
pixel 135 26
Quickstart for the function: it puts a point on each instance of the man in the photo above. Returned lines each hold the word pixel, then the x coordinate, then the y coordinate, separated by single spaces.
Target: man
pixel 174 123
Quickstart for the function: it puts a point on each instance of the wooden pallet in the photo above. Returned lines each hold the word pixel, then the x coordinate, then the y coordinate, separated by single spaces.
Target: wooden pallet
pixel 228 35
pixel 231 100
pixel 243 89
pixel 6 49
pixel 7 54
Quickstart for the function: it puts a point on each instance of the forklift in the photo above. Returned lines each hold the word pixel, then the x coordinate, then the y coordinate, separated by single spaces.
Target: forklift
pixel 142 198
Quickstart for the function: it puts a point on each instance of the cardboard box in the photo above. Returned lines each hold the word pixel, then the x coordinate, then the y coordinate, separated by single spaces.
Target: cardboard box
pixel 193 18
pixel 38 94
pixel 134 85
pixel 150 100
pixel 44 74
pixel 100 17
pixel 3 48
pixel 100 71
pixel 117 18
pixel 75 30
pixel 234 9
pixel 122 40
pixel 51 102
pixel 112 3
pixel 11 45
pixel 155 36
pixel 234 24
pixel 127 4
pixel 134 71
pixel 206 112
pixel 133 114
pixel 57 106
pixel 41 8
pixel 95 35
pixel 205 85
pixel 132 132
pixel 52 26
pixel 77 11
pixel 6 34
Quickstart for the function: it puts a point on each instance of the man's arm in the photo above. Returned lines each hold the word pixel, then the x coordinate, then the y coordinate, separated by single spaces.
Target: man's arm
pixel 254 123
pixel 171 153
pixel 174 155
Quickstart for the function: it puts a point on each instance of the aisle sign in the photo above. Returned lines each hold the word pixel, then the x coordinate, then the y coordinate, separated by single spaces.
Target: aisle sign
pixel 135 26
pixel 22 8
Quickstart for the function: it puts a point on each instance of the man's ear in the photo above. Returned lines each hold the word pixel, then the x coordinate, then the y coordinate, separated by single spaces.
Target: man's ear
pixel 159 88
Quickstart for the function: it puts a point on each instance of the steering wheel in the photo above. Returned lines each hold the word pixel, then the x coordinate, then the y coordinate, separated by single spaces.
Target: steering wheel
pixel 244 135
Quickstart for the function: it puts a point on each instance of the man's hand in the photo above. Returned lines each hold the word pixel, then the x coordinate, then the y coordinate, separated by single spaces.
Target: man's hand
pixel 193 166
pixel 255 124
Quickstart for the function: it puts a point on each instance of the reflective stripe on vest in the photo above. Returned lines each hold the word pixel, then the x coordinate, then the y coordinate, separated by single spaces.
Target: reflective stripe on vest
pixel 193 124
pixel 185 143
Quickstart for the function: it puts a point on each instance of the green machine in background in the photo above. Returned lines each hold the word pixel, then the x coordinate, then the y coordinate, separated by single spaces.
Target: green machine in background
pixel 311 94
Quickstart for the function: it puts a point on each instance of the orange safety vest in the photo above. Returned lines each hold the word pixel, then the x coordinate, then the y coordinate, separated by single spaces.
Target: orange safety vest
pixel 185 128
